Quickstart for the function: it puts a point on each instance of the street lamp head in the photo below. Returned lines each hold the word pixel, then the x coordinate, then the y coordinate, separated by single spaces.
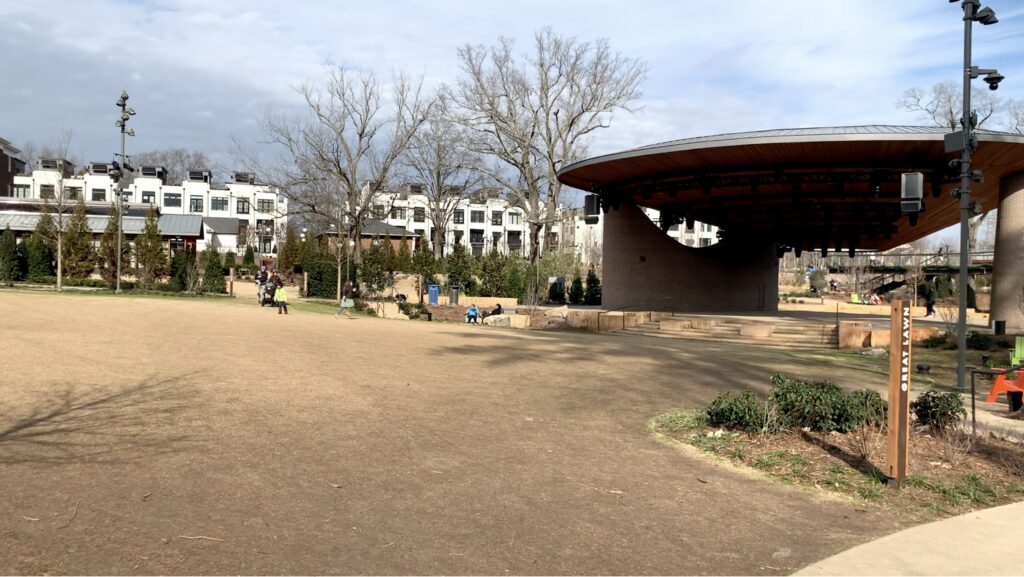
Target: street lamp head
pixel 124 95
pixel 130 132
pixel 130 111
pixel 985 16
pixel 993 79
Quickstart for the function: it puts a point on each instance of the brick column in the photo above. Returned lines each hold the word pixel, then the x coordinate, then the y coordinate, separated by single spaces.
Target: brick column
pixel 646 270
pixel 1008 268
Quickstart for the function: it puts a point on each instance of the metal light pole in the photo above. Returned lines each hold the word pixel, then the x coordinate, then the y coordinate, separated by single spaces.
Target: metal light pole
pixel 972 12
pixel 122 123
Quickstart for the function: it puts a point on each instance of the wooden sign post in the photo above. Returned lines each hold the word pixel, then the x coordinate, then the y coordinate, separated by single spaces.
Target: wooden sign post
pixel 899 392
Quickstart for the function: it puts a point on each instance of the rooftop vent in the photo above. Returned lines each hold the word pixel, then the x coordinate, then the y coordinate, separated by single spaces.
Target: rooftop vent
pixel 245 178
pixel 199 176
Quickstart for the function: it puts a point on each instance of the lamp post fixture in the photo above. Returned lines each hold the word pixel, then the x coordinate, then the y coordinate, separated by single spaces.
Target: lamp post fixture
pixel 966 142
pixel 122 123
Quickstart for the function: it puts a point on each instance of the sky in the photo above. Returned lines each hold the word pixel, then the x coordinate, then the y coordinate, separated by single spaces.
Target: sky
pixel 201 73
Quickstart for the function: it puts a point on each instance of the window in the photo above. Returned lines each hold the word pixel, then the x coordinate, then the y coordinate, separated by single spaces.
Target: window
pixel 705 242
pixel 495 239
pixel 459 217
pixel 377 212
pixel 195 204
pixel 22 190
pixel 476 242
pixel 705 227
pixel 265 205
pixel 148 197
pixel 46 191
pixel 398 213
pixel 515 242
pixel 419 231
pixel 73 192
pixel 496 217
pixel 218 203
pixel 515 218
pixel 458 237
pixel 243 206
pixel 419 214
pixel 476 216
pixel 172 199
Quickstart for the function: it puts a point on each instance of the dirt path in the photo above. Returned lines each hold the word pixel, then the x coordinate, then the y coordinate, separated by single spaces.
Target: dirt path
pixel 305 444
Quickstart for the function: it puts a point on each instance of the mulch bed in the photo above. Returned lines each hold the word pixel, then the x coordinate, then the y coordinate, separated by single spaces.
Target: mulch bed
pixel 948 474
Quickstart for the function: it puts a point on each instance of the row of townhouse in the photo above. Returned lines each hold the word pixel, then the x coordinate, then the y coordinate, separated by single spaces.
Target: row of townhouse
pixel 243 212
pixel 485 219
pixel 480 221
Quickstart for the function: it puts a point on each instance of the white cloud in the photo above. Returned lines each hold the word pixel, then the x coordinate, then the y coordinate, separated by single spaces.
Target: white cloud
pixel 714 67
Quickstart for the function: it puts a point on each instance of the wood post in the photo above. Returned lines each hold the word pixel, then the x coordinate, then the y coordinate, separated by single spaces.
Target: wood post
pixel 899 393
pixel 231 281
pixel 305 284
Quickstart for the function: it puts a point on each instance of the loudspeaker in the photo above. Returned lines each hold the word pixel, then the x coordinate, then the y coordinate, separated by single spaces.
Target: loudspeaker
pixel 591 208
pixel 911 192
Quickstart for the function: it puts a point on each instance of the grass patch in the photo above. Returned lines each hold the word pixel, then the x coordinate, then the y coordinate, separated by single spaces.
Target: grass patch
pixel 676 421
pixel 836 463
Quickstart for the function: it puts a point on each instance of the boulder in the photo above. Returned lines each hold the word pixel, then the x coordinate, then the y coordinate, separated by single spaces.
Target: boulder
pixel 561 312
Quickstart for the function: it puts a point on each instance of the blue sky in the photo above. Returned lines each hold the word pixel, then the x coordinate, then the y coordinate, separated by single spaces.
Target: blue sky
pixel 202 72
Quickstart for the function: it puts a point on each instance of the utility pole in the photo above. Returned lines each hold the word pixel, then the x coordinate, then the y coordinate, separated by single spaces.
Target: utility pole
pixel 122 123
pixel 967 142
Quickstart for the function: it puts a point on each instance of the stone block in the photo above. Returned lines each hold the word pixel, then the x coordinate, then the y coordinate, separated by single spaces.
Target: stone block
pixel 757 331
pixel 675 324
pixel 880 338
pixel 854 334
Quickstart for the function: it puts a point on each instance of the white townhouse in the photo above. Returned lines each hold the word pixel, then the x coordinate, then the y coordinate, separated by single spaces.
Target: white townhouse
pixel 241 213
pixel 480 221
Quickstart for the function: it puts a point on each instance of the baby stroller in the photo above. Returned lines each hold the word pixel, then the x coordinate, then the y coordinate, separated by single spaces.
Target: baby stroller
pixel 266 293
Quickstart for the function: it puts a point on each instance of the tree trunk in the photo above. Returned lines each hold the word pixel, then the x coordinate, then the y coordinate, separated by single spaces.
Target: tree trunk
pixel 439 234
pixel 535 229
pixel 60 262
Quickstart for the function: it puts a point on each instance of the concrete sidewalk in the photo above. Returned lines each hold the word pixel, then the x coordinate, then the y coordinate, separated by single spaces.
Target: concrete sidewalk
pixel 984 542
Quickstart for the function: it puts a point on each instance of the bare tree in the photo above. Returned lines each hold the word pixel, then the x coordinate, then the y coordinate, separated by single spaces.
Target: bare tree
pixel 58 206
pixel 442 158
pixel 31 152
pixel 944 104
pixel 534 115
pixel 337 158
pixel 1015 116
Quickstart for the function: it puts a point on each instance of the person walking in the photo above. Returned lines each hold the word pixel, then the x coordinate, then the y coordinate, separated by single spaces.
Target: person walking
pixel 282 299
pixel 348 295
pixel 929 301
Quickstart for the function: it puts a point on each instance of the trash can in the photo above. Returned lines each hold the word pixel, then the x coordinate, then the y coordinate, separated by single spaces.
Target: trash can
pixel 999 328
pixel 453 298
pixel 433 294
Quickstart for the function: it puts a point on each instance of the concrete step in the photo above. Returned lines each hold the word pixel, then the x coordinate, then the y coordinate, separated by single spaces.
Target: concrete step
pixel 812 340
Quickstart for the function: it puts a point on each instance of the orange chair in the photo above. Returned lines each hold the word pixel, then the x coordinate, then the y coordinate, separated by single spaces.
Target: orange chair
pixel 1004 385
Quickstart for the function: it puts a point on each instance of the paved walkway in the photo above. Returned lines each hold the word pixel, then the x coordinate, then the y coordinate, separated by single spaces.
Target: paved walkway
pixel 985 542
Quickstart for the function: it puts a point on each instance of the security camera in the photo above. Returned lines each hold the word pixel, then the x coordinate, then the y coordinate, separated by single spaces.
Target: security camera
pixel 993 79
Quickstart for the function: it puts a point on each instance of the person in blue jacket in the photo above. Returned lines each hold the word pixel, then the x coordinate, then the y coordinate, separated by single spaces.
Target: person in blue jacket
pixel 473 314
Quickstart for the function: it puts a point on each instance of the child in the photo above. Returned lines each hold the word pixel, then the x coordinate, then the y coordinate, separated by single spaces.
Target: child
pixel 282 300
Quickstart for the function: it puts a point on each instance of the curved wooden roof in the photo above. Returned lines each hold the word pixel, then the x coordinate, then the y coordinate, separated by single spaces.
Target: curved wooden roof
pixel 808 187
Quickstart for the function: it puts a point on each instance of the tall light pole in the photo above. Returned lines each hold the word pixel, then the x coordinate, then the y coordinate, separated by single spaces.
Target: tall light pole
pixel 122 123
pixel 972 13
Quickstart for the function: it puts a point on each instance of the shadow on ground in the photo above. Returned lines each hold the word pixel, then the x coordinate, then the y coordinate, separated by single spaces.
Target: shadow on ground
pixel 78 424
